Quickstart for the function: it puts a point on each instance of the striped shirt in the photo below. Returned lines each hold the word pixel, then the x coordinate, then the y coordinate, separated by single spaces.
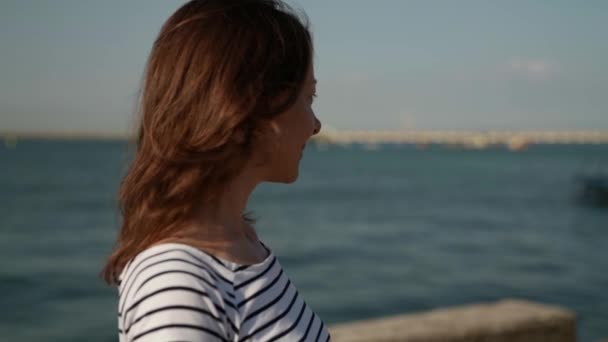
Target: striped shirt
pixel 175 292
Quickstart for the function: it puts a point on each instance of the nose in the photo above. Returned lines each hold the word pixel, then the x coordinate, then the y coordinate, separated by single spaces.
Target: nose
pixel 317 126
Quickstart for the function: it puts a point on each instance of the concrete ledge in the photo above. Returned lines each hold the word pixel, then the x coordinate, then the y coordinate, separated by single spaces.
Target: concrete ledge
pixel 507 320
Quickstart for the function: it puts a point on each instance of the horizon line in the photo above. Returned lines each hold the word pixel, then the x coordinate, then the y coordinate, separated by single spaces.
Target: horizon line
pixel 85 135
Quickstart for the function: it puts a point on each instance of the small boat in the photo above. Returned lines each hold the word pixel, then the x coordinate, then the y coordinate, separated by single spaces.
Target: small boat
pixel 593 189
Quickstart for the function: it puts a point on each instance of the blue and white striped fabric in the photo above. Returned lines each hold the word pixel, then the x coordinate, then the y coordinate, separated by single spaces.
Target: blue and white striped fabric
pixel 175 292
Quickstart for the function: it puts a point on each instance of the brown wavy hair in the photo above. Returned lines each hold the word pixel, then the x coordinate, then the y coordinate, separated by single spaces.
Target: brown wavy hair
pixel 212 82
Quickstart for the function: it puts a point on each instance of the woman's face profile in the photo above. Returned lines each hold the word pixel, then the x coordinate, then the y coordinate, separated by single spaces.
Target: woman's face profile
pixel 291 130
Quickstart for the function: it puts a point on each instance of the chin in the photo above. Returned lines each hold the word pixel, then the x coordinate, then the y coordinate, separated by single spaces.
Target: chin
pixel 286 172
pixel 289 179
pixel 284 178
pixel 292 180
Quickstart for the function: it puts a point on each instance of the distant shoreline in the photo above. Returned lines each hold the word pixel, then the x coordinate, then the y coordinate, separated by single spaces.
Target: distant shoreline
pixel 62 136
pixel 476 139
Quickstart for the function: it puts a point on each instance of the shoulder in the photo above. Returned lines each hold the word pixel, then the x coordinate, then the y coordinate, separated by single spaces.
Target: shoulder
pixel 165 262
pixel 169 267
pixel 169 281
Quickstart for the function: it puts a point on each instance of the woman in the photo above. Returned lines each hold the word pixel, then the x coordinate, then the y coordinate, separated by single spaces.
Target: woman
pixel 225 105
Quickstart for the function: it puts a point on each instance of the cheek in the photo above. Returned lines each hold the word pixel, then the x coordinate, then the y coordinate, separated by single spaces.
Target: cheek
pixel 306 120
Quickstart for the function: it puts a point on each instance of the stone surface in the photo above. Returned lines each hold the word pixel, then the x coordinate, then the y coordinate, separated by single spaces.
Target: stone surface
pixel 507 320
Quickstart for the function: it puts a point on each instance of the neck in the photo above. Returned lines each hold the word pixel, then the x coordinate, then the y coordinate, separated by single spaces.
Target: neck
pixel 222 222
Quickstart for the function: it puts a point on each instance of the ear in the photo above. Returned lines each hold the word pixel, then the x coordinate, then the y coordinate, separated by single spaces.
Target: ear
pixel 275 129
pixel 268 130
pixel 266 142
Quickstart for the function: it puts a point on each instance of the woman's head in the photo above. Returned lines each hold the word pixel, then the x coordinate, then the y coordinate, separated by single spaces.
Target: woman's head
pixel 219 71
pixel 228 83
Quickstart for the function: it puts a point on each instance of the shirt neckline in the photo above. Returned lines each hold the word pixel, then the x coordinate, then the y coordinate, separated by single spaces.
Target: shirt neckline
pixel 231 265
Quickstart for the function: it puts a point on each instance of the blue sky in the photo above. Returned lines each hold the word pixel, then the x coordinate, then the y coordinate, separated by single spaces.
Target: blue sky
pixel 75 65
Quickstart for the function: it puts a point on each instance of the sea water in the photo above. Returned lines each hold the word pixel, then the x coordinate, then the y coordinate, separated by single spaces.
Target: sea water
pixel 363 233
